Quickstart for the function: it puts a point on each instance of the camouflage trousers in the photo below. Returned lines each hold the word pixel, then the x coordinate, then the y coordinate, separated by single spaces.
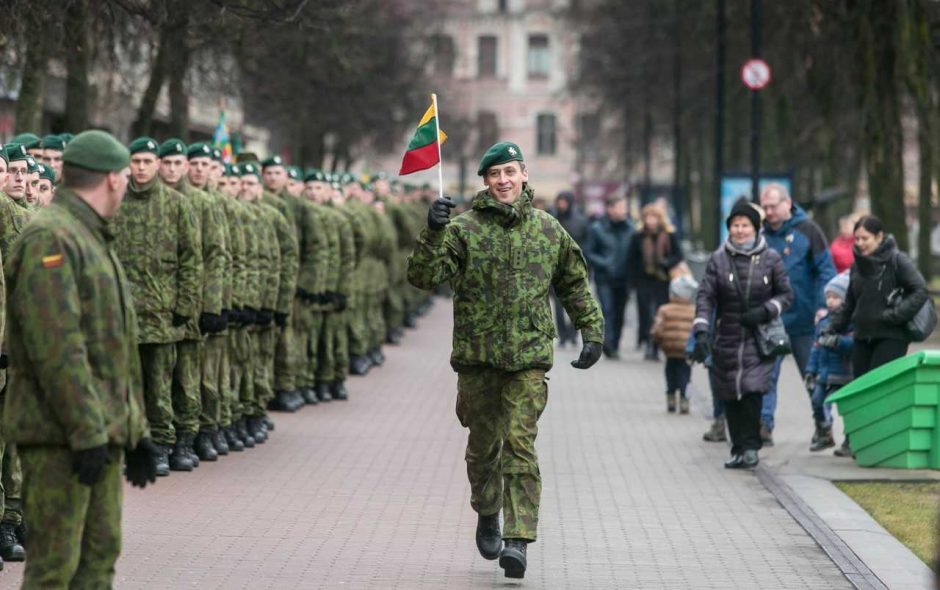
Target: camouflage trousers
pixel 394 307
pixel 265 341
pixel 375 318
pixel 157 362
pixel 11 481
pixel 213 353
pixel 187 377
pixel 285 353
pixel 501 410
pixel 75 530
pixel 243 373
pixel 308 347
pixel 333 348
pixel 358 324
pixel 225 382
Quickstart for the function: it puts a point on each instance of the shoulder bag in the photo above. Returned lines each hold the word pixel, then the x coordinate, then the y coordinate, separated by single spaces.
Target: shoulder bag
pixel 771 337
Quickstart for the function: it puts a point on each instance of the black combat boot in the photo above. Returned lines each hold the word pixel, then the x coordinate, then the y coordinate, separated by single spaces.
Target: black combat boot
pixel 189 439
pixel 281 402
pixel 204 447
pixel 489 539
pixel 242 430
pixel 360 365
pixel 411 321
pixel 267 423
pixel 219 442
pixel 393 337
pixel 323 392
pixel 253 425
pixel 22 532
pixel 338 391
pixel 179 456
pixel 10 548
pixel 378 358
pixel 163 461
pixel 310 396
pixel 512 558
pixel 235 444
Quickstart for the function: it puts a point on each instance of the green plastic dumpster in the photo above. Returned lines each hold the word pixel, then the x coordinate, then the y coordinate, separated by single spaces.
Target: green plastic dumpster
pixel 892 414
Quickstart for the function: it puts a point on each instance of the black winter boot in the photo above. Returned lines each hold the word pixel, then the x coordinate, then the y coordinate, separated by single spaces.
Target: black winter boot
pixel 512 558
pixel 489 539
pixel 10 548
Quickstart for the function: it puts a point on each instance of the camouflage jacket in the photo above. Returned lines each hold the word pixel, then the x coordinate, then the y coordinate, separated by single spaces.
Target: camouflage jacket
pixel 313 262
pixel 13 218
pixel 235 294
pixel 75 376
pixel 268 255
pixel 219 206
pixel 157 239
pixel 502 260
pixel 285 230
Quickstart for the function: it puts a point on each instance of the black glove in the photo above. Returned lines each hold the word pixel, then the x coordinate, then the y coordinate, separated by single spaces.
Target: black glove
pixel 179 320
pixel 89 464
pixel 141 463
pixel 702 348
pixel 755 316
pixel 809 380
pixel 211 323
pixel 590 353
pixel 439 214
pixel 4 361
pixel 250 317
pixel 829 340
pixel 264 317
pixel 235 316
pixel 304 295
pixel 341 302
pixel 280 319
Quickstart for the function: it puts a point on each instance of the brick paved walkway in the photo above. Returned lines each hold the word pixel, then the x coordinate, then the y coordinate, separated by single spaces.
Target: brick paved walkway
pixel 372 493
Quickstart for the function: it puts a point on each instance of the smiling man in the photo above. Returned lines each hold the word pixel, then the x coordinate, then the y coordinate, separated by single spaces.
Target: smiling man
pixel 502 257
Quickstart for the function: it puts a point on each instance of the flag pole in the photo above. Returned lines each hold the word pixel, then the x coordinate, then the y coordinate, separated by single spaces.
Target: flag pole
pixel 440 160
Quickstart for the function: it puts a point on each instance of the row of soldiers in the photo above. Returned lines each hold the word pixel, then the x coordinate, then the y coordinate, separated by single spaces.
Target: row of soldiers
pixel 256 286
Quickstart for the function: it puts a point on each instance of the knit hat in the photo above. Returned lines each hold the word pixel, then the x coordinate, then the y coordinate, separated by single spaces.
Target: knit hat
pixel 98 151
pixel 683 287
pixel 838 285
pixel 744 208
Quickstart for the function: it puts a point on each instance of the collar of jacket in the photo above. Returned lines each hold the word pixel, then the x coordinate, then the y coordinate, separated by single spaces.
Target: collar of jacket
pixel 759 246
pixel 877 259
pixel 508 214
pixel 797 215
pixel 142 191
pixel 82 211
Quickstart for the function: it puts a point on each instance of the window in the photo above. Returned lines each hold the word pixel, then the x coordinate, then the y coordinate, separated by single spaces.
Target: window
pixel 487 130
pixel 443 55
pixel 539 56
pixel 545 134
pixel 486 56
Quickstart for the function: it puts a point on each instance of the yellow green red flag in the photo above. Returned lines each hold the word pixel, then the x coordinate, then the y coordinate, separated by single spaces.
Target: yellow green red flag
pixel 424 149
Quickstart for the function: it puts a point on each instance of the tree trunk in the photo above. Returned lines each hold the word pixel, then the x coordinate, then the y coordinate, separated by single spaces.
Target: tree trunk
pixel 176 70
pixel 77 60
pixel 148 103
pixel 878 35
pixel 29 105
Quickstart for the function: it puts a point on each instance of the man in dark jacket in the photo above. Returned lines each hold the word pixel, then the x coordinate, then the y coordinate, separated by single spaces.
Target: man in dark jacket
pixel 606 247
pixel 576 224
pixel 805 252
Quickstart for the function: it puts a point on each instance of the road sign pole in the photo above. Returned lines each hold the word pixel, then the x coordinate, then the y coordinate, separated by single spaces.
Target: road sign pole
pixel 756 9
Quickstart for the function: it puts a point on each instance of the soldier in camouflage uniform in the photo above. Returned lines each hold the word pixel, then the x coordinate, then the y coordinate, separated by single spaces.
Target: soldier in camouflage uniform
pixel 52 148
pixel 31 142
pixel 212 325
pixel 156 238
pixel 46 186
pixel 502 258
pixel 402 240
pixel 362 280
pixel 84 357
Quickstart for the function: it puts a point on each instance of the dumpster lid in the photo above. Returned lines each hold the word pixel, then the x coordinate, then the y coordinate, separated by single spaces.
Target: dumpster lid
pixel 887 371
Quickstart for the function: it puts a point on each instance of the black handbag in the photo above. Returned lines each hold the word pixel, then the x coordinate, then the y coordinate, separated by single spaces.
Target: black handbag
pixel 924 322
pixel 771 337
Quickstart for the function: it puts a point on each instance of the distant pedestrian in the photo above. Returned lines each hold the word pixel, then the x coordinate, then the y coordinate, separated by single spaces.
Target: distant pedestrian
pixel 842 247
pixel 805 252
pixel 608 240
pixel 744 285
pixel 830 364
pixel 576 224
pixel 653 252
pixel 671 329
pixel 880 269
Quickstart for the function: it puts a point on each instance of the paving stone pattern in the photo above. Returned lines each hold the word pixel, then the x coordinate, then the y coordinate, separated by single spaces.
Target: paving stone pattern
pixel 372 493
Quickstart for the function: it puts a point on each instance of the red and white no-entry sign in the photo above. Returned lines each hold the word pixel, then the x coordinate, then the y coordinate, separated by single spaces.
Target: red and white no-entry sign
pixel 755 73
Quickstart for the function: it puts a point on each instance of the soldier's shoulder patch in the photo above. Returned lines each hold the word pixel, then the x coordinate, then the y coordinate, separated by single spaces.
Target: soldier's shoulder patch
pixel 52 261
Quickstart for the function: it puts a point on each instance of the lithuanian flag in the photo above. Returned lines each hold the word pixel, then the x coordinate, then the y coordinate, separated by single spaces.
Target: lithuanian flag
pixel 424 150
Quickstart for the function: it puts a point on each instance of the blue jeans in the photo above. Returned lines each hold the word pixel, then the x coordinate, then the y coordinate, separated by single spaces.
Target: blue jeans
pixel 822 412
pixel 718 404
pixel 801 346
pixel 613 299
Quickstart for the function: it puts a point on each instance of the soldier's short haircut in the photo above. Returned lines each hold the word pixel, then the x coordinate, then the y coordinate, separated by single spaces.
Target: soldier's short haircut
pixel 613 200
pixel 77 177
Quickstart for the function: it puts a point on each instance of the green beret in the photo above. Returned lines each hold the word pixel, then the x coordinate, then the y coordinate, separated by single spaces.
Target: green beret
pixel 293 172
pixel 67 137
pixel 273 161
pixel 236 170
pixel 47 172
pixel 144 144
pixel 15 152
pixel 500 153
pixel 249 169
pixel 96 150
pixel 3 154
pixel 314 175
pixel 199 150
pixel 347 178
pixel 27 140
pixel 246 157
pixel 172 147
pixel 228 170
pixel 217 155
pixel 32 165
pixel 53 142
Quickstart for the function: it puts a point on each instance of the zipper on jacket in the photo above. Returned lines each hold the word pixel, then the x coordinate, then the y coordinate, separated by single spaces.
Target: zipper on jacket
pixel 746 302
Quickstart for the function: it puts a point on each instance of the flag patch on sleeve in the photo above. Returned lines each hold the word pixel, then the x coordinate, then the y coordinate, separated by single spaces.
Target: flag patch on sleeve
pixel 53 261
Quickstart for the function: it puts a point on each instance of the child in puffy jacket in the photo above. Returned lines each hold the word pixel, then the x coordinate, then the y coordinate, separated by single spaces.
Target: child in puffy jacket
pixel 670 331
pixel 829 366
